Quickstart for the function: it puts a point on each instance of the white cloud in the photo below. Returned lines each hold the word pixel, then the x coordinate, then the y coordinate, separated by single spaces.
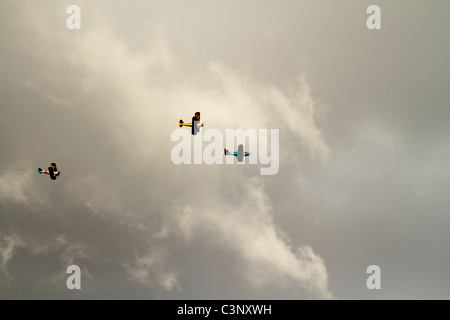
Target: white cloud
pixel 136 98
pixel 234 99
pixel 66 252
pixel 151 270
pixel 72 253
pixel 247 227
pixel 17 185
pixel 8 245
pixel 12 186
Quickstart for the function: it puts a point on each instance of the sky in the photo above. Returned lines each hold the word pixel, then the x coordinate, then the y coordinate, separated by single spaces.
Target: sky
pixel 364 150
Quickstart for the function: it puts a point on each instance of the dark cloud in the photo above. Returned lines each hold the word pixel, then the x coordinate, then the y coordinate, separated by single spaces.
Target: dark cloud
pixel 358 183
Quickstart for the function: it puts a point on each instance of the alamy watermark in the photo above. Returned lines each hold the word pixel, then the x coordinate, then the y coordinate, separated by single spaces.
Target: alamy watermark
pixel 374 20
pixel 374 280
pixel 73 22
pixel 74 280
pixel 208 147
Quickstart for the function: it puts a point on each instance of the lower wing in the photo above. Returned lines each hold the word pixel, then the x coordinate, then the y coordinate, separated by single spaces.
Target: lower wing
pixel 187 124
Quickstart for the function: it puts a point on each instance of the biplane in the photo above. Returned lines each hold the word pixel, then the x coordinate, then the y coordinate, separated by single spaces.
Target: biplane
pixel 52 171
pixel 195 124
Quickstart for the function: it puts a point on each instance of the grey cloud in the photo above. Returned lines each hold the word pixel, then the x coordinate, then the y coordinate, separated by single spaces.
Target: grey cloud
pixel 358 183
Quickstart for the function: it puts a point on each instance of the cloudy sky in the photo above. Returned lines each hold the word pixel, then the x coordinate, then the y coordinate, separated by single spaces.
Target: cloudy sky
pixel 364 149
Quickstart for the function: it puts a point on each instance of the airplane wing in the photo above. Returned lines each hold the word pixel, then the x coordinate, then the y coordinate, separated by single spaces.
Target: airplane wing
pixel 228 153
pixel 187 124
pixel 52 173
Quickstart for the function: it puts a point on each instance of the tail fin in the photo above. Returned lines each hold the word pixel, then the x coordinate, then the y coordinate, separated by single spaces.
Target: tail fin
pixel 180 123
pixel 225 151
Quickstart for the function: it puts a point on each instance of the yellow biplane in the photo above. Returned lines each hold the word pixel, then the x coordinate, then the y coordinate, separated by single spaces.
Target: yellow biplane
pixel 195 124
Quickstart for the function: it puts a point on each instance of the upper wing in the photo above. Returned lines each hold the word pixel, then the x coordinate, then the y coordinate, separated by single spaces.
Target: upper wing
pixel 52 173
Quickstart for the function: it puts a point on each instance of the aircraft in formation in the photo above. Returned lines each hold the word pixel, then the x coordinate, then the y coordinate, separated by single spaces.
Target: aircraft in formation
pixel 195 125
